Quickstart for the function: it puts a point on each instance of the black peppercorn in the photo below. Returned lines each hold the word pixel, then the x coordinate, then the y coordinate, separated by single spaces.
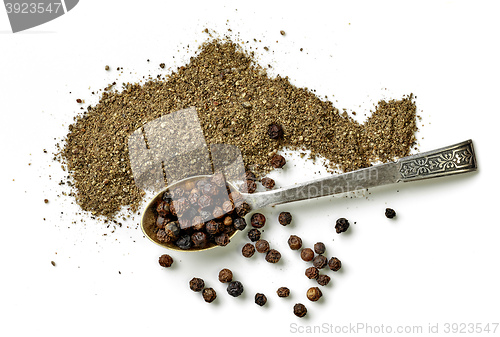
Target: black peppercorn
pixel 225 275
pixel 235 288
pixel 314 294
pixel 299 310
pixel 209 295
pixel 278 161
pixel 198 223
pixel 285 218
pixel 162 236
pixel 283 292
pixel 248 250
pixel 243 209
pixel 273 256
pixel 268 183
pixel 184 242
pixel 240 223
pixel 258 220
pixel 205 202
pixel 312 273
pixel 199 239
pixel 260 299
pixel 250 186
pixel 228 207
pixel 319 248
pixel 275 131
pixel 173 229
pixel 294 242
pixel 165 260
pixel 196 284
pixel 222 240
pixel 213 227
pixel 334 264
pixel 254 234
pixel 323 280
pixel 341 225
pixel 163 208
pixel 320 261
pixel 390 213
pixel 307 254
pixel 194 195
pixel 262 246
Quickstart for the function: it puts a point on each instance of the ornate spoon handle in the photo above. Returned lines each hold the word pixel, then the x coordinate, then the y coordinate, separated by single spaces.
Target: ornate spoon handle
pixel 458 158
pixel 454 159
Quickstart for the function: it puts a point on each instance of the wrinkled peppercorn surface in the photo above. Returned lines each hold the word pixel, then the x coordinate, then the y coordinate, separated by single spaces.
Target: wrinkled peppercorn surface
pixel 299 310
pixel 196 284
pixel 235 288
pixel 248 250
pixel 260 299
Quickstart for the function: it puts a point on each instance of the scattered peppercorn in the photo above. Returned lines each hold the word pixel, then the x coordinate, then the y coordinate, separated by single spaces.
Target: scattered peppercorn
pixel 307 254
pixel 275 131
pixel 225 275
pixel 268 183
pixel 258 220
pixel 312 273
pixel 294 242
pixel 282 32
pixel 273 256
pixel 78 100
pixel 277 161
pixel 254 234
pixel 260 299
pixel 46 201
pixel 196 284
pixel 165 260
pixel 209 295
pixel 341 225
pixel 314 294
pixel 319 248
pixel 299 310
pixel 285 218
pixel 323 280
pixel 248 250
pixel 320 261
pixel 162 65
pixel 262 246
pixel 235 288
pixel 334 264
pixel 283 292
pixel 106 68
pixel 390 213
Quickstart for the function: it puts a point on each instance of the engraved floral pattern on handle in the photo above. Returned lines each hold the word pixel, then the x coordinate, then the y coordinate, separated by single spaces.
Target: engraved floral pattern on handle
pixel 441 162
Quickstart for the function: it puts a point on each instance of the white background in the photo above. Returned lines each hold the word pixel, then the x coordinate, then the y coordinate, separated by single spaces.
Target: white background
pixel 436 263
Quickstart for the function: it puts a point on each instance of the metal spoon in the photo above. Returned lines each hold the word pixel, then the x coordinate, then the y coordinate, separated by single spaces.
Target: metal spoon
pixel 454 159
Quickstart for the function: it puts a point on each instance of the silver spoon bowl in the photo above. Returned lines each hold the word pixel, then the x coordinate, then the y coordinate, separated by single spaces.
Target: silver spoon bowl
pixel 450 160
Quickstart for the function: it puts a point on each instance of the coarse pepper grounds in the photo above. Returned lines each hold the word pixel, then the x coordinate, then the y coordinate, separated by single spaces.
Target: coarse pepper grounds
pixel 237 102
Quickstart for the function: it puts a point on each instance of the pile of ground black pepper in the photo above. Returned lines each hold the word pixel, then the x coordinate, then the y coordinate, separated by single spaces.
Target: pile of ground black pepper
pixel 236 102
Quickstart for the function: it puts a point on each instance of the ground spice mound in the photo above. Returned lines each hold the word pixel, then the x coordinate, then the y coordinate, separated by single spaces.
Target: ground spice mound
pixel 236 103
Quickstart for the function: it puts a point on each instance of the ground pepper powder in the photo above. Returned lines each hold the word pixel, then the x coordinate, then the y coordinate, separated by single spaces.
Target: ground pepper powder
pixel 236 102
